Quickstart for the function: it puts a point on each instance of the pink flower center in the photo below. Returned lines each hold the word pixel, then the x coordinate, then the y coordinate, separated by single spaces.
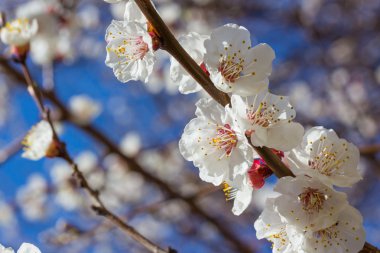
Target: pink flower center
pixel 312 200
pixel 263 116
pixel 225 139
pixel 230 70
pixel 327 160
pixel 132 49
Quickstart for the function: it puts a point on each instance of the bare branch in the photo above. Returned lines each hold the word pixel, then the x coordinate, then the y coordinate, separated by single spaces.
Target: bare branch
pixel 99 207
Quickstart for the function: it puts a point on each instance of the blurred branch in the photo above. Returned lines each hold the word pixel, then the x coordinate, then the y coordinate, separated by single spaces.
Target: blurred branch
pixel 370 149
pixel 223 228
pixel 99 207
pixel 10 150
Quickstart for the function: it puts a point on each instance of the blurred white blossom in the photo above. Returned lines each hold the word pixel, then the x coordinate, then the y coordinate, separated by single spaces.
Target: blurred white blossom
pixel 24 248
pixel 32 197
pixel 84 108
pixel 18 32
pixel 130 144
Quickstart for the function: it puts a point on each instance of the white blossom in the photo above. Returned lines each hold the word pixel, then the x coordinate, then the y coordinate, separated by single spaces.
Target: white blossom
pixel 268 119
pixel 346 235
pixel 193 43
pixel 269 225
pixel 24 248
pixel 215 144
pixel 129 51
pixel 130 144
pixel 84 108
pixel 234 65
pixel 18 32
pixel 39 142
pixel 308 204
pixel 324 156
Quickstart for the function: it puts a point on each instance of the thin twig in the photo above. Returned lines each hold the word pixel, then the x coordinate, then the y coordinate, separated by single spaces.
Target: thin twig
pixel 10 150
pixel 99 207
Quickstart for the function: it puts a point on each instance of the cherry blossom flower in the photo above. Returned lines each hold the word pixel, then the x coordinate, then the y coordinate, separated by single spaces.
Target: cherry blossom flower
pixel 307 203
pixel 18 32
pixel 129 51
pixel 324 156
pixel 24 248
pixel 215 144
pixel 345 235
pixel 269 225
pixel 39 142
pixel 268 120
pixel 234 65
pixel 193 43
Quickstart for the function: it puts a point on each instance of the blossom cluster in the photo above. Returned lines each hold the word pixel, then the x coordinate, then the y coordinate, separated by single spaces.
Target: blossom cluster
pixel 309 214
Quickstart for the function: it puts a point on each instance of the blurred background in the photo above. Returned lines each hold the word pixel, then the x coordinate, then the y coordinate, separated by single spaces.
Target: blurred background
pixel 327 61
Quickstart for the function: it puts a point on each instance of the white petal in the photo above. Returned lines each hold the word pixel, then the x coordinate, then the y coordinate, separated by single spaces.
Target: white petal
pixel 133 14
pixel 193 43
pixel 242 200
pixel 28 248
pixel 285 136
pixel 321 210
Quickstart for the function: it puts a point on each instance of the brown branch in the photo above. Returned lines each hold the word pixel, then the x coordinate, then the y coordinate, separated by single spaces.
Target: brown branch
pixel 99 208
pixel 370 149
pixel 172 46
